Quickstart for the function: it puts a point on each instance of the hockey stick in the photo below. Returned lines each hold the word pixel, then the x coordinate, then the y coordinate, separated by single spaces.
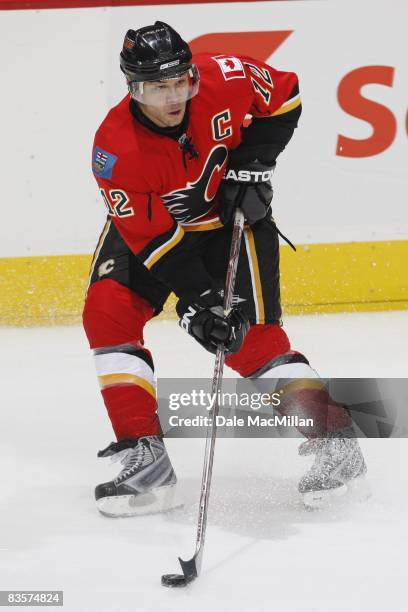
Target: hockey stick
pixel 192 567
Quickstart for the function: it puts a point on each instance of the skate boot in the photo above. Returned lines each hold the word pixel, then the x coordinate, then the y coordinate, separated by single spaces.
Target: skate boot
pixel 339 466
pixel 146 483
pixel 309 447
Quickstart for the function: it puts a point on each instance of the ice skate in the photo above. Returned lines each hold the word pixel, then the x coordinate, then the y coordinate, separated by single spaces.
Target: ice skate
pixel 145 485
pixel 309 447
pixel 339 468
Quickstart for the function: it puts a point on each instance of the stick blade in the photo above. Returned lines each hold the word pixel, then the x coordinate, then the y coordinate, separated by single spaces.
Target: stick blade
pixel 173 580
pixel 189 568
pixel 189 574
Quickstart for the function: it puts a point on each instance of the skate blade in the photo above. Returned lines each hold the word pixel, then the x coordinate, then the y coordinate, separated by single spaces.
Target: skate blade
pixel 157 500
pixel 318 499
pixel 357 490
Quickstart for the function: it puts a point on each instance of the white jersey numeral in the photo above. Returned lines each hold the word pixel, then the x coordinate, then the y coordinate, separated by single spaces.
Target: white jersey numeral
pixel 116 201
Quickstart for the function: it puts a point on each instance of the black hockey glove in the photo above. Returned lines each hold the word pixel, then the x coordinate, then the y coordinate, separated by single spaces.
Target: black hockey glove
pixel 203 318
pixel 248 187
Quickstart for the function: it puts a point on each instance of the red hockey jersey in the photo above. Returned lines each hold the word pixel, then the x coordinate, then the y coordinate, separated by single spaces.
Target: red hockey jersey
pixel 151 193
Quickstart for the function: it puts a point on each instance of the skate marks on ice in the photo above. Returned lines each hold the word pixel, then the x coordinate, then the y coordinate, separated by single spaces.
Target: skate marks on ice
pixel 258 531
pixel 249 515
pixel 259 507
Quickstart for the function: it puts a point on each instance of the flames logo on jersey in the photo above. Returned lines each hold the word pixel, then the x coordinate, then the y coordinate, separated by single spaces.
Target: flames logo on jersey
pixel 195 200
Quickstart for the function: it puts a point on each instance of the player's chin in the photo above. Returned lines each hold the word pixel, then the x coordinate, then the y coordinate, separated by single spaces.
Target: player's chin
pixel 174 117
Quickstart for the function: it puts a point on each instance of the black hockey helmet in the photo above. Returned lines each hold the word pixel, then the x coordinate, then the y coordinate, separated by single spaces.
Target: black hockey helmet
pixel 154 53
pixel 157 53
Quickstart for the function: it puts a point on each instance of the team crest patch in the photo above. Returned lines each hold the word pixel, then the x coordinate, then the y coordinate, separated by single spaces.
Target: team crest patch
pixel 231 67
pixel 103 163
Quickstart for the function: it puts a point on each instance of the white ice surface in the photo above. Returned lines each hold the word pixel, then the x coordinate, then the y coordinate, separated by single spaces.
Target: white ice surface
pixel 263 550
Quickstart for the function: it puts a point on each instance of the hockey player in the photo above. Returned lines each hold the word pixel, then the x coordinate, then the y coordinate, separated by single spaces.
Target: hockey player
pixel 173 161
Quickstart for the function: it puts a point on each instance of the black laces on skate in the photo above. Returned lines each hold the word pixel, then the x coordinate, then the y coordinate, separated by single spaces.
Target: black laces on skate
pixel 133 459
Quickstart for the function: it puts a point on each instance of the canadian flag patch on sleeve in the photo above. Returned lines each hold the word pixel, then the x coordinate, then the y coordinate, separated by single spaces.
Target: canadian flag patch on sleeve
pixel 231 67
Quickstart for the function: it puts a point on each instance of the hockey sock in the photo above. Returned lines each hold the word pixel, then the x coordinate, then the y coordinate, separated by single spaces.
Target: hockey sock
pixel 126 377
pixel 114 318
pixel 266 354
pixel 304 395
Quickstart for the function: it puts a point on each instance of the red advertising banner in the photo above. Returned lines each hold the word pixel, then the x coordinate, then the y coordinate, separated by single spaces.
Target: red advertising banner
pixel 59 4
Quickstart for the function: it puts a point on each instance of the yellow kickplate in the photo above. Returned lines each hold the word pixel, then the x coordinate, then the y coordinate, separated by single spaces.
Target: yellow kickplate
pixel 45 290
pixel 340 277
pixel 318 278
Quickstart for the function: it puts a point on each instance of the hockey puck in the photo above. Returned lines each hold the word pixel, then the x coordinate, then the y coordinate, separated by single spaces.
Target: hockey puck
pixel 174 580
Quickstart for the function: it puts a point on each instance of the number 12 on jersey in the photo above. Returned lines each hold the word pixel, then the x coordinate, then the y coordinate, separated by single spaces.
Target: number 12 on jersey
pixel 116 201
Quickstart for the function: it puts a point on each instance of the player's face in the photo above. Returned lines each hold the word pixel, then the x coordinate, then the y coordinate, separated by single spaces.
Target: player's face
pixel 164 102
